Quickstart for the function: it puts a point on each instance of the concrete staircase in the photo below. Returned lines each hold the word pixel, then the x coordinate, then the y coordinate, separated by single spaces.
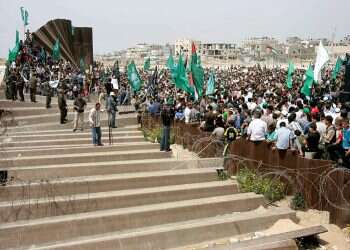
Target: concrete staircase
pixel 64 193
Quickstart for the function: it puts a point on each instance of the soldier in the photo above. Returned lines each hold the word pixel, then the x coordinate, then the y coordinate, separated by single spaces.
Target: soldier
pixel 62 105
pixel 20 86
pixel 48 93
pixel 12 85
pixel 33 85
pixel 112 109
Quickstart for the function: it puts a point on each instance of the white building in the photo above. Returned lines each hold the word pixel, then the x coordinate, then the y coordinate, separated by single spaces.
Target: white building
pixel 185 46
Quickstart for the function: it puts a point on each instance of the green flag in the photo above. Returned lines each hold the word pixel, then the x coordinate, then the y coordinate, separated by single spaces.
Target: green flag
pixel 24 16
pixel 147 64
pixel 170 62
pixel 211 84
pixel 197 72
pixel 14 52
pixel 56 50
pixel 291 69
pixel 181 80
pixel 116 71
pixel 134 77
pixel 171 66
pixel 337 68
pixel 17 37
pixel 82 65
pixel 309 79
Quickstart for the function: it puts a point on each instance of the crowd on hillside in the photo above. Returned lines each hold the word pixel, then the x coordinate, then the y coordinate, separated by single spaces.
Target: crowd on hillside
pixel 255 101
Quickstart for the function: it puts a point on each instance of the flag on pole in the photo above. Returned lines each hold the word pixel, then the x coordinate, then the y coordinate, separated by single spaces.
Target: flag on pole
pixel 17 37
pixel 170 62
pixel 14 52
pixel 337 68
pixel 147 64
pixel 56 50
pixel 24 16
pixel 134 77
pixel 197 72
pixel 116 71
pixel 321 59
pixel 291 69
pixel 309 79
pixel 82 65
pixel 181 80
pixel 171 66
pixel 210 84
pixel 152 83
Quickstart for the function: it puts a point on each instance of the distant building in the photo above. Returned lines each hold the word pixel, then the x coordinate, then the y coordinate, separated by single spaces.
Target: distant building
pixel 260 47
pixel 185 46
pixel 218 50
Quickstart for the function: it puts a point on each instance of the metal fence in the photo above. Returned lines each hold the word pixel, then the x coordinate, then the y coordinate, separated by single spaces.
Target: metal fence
pixel 323 186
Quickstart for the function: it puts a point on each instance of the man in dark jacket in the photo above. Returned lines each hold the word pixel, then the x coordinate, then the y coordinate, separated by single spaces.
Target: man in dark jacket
pixel 79 106
pixel 166 117
pixel 112 109
pixel 32 85
pixel 62 105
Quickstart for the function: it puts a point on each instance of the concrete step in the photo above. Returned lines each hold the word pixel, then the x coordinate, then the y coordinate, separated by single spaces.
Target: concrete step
pixel 83 158
pixel 63 130
pixel 42 123
pixel 30 111
pixel 71 141
pixel 74 149
pixel 62 205
pixel 172 235
pixel 8 104
pixel 105 221
pixel 47 172
pixel 23 190
pixel 71 134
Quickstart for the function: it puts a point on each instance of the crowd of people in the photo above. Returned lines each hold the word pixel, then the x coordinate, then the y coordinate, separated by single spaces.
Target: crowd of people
pixel 257 104
pixel 254 100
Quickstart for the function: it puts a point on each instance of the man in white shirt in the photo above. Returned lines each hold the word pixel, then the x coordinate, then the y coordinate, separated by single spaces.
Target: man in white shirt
pixel 257 129
pixel 95 123
pixel 284 137
pixel 187 112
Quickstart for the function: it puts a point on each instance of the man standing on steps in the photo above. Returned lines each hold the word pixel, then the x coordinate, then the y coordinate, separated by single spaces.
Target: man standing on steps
pixel 166 117
pixel 79 106
pixel 95 124
pixel 112 109
pixel 33 84
pixel 62 105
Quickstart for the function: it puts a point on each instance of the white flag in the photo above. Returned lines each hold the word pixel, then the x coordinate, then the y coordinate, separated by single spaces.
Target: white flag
pixel 321 59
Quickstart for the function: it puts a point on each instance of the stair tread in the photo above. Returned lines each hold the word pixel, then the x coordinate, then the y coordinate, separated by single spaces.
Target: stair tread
pixel 73 146
pixel 217 220
pixel 70 130
pixel 121 193
pixel 129 210
pixel 122 176
pixel 75 134
pixel 107 153
pixel 105 163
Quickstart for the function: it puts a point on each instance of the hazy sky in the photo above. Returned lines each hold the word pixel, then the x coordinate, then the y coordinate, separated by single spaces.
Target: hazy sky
pixel 120 24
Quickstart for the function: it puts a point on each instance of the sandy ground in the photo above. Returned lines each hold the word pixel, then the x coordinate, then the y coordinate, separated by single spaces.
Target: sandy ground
pixel 335 239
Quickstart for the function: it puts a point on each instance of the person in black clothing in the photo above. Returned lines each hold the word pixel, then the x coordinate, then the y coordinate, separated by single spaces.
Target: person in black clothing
pixel 166 117
pixel 209 118
pixel 12 83
pixel 312 140
pixel 62 105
